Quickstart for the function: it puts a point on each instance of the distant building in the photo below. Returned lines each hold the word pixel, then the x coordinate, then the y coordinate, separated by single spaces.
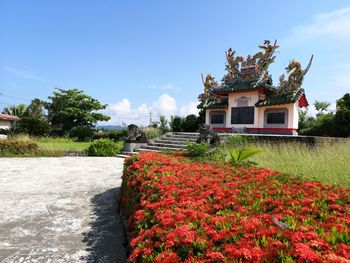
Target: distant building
pixel 247 101
pixel 6 121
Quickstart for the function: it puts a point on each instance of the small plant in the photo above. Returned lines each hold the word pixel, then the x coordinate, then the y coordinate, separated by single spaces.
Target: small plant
pixel 239 156
pixel 197 149
pixel 103 147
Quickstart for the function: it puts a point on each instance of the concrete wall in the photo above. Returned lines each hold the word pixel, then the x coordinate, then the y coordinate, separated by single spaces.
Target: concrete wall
pixel 259 112
pixel 292 114
pixel 5 124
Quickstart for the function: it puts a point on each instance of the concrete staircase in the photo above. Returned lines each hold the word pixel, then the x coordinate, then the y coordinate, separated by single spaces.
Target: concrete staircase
pixel 171 141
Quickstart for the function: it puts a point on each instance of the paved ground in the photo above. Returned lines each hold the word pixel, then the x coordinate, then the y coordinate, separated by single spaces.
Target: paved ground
pixel 60 210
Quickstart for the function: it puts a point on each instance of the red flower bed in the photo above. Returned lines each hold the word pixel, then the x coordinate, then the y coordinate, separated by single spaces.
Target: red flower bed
pixel 180 211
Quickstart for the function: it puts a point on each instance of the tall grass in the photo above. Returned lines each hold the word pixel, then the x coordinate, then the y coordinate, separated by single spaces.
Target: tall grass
pixel 60 144
pixel 326 162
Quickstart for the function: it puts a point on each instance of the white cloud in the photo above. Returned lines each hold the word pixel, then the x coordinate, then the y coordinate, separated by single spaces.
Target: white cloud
pixel 123 111
pixel 188 109
pixel 334 24
pixel 121 108
pixel 165 105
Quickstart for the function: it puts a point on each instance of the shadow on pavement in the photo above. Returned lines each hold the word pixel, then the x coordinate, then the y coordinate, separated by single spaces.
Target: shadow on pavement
pixel 105 241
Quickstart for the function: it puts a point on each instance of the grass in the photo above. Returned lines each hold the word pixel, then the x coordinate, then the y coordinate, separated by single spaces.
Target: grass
pixel 60 144
pixel 327 163
pixel 53 146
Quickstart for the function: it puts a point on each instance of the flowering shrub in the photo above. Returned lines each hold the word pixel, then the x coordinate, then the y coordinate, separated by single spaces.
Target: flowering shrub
pixel 180 211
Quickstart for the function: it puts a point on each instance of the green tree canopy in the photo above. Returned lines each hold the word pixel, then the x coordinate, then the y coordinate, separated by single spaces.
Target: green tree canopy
pixel 36 110
pixel 321 106
pixel 70 108
pixel 17 110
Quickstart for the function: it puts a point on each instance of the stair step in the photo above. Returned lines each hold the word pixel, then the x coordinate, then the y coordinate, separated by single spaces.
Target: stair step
pixel 160 148
pixel 183 135
pixel 170 144
pixel 177 139
pixel 186 133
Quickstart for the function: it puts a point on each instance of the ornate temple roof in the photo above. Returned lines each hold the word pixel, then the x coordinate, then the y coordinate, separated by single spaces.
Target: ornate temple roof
pixel 244 85
pixel 251 73
pixel 279 99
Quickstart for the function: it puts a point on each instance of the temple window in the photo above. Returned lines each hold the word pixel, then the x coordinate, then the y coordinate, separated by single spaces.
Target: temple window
pixel 217 117
pixel 276 118
pixel 242 115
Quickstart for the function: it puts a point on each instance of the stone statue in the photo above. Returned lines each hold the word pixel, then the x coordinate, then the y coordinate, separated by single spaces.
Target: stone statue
pixel 135 135
pixel 206 134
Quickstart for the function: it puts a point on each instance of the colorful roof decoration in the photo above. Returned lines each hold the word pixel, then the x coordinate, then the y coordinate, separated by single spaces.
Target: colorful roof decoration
pixel 279 99
pixel 6 117
pixel 251 73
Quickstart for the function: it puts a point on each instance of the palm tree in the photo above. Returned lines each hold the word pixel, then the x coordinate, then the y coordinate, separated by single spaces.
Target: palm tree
pixel 321 106
pixel 18 110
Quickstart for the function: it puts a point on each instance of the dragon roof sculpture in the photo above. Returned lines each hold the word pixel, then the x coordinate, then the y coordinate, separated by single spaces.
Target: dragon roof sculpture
pixel 252 73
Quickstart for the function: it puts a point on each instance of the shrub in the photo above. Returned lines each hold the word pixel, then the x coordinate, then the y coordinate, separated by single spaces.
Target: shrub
pixel 115 135
pixel 81 134
pixel 5 131
pixel 103 147
pixel 31 126
pixel 197 149
pixel 176 124
pixel 152 133
pixel 14 147
pixel 182 211
pixel 190 123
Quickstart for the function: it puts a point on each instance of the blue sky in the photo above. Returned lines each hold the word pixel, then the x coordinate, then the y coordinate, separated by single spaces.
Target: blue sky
pixel 147 56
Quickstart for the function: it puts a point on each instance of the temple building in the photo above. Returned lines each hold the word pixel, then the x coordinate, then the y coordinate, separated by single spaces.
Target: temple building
pixel 246 99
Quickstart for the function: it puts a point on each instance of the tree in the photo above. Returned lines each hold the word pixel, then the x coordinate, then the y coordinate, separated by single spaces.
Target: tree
pixel 190 123
pixel 163 124
pixel 344 102
pixel 70 108
pixel 176 123
pixel 32 126
pixel 342 116
pixel 321 106
pixel 18 110
pixel 36 110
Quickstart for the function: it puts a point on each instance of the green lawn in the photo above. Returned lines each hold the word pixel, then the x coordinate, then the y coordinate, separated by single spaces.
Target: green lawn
pixel 60 144
pixel 326 163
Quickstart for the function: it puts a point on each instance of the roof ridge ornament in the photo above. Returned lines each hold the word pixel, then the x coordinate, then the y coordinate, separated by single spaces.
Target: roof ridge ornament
pixel 252 73
pixel 295 77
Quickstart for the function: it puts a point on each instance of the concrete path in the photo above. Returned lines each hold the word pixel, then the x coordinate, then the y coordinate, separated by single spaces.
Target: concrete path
pixel 60 210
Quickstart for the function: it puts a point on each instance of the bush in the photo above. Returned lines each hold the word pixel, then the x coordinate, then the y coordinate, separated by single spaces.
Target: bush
pixel 81 134
pixel 190 123
pixel 176 124
pixel 14 147
pixel 152 133
pixel 31 126
pixel 115 135
pixel 182 211
pixel 103 147
pixel 197 149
